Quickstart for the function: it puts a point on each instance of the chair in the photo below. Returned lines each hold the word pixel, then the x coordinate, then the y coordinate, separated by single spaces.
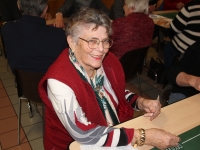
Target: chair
pixel 133 63
pixel 165 97
pixel 27 88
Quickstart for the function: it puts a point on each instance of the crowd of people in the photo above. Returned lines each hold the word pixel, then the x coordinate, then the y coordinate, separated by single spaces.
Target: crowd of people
pixel 83 88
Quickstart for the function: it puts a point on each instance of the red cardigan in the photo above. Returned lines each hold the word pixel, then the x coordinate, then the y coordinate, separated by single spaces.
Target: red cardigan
pixel 56 136
pixel 132 32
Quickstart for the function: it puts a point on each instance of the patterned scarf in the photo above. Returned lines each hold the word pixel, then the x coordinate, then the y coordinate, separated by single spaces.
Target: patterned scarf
pixel 104 101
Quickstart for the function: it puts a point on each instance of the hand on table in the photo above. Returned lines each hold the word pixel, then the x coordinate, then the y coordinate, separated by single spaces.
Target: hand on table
pixel 59 22
pixel 160 138
pixel 151 107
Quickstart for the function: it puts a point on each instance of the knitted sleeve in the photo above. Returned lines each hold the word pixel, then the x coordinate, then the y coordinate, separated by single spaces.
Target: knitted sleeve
pixel 76 123
pixel 131 98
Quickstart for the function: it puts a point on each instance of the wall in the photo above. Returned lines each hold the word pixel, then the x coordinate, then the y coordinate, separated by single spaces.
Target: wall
pixel 108 3
pixel 53 6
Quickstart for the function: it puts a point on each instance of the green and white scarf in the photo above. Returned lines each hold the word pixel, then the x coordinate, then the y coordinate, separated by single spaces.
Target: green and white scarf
pixel 96 83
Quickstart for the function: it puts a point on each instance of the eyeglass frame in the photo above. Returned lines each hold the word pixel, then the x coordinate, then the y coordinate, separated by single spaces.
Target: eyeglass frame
pixel 98 42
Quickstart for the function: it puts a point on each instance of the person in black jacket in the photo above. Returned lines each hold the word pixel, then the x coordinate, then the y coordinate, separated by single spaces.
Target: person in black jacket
pixel 72 6
pixel 31 45
pixel 185 74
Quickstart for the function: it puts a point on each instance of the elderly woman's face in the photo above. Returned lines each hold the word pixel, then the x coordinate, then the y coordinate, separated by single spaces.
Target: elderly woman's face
pixel 91 58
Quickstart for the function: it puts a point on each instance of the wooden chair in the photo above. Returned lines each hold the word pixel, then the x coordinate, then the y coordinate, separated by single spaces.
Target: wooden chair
pixel 27 88
pixel 133 63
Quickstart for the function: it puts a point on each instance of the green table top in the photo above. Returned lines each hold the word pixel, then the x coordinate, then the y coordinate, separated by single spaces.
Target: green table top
pixel 169 15
pixel 189 140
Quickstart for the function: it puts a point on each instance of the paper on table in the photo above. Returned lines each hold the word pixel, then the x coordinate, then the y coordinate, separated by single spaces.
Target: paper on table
pixel 92 147
pixel 155 16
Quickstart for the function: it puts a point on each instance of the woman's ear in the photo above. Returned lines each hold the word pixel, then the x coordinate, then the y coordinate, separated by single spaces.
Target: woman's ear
pixel 71 41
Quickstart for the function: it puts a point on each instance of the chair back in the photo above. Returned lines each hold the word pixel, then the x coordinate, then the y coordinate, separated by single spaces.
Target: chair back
pixel 27 84
pixel 133 62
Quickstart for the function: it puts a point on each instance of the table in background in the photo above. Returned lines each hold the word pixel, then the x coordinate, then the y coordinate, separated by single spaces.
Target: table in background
pixel 163 19
pixel 167 15
pixel 175 118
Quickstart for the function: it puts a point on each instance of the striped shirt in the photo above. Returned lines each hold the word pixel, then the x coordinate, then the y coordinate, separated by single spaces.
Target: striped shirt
pixel 186 25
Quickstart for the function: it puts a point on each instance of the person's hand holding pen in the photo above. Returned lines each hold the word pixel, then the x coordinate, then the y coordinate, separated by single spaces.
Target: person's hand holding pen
pixel 151 107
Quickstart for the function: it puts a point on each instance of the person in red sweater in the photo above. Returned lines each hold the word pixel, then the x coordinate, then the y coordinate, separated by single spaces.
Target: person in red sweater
pixel 174 4
pixel 133 31
pixel 84 92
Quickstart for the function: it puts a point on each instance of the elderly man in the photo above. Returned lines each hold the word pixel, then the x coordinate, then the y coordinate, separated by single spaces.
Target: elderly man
pixel 185 74
pixel 30 44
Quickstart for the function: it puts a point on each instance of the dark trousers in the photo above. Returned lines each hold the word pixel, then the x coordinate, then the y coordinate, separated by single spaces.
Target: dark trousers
pixel 171 54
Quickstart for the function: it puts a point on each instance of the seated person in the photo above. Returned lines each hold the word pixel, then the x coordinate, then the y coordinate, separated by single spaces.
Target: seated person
pixel 184 31
pixel 72 6
pixel 84 92
pixel 30 44
pixel 185 74
pixel 117 10
pixel 174 4
pixel 133 31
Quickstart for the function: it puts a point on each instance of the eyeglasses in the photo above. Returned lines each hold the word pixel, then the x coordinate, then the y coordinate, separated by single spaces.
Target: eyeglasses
pixel 94 43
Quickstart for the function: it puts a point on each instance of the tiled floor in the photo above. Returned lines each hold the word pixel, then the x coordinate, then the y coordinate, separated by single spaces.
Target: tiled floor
pixel 32 131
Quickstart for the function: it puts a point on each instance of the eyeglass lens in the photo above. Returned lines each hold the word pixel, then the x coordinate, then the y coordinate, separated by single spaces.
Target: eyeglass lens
pixel 94 43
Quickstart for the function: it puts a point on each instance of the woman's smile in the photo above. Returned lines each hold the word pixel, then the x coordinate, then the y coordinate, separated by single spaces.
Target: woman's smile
pixel 97 57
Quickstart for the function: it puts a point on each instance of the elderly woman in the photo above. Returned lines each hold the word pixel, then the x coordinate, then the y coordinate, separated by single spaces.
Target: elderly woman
pixel 84 92
pixel 133 31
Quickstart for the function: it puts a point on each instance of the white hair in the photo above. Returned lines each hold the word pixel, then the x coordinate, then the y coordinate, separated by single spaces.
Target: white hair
pixel 139 5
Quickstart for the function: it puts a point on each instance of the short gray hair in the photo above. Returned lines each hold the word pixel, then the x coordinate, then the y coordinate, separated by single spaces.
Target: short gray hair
pixel 85 18
pixel 32 7
pixel 140 5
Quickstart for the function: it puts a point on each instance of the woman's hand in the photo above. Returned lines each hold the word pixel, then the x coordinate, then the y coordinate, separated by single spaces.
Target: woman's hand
pixel 151 107
pixel 59 22
pixel 160 138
